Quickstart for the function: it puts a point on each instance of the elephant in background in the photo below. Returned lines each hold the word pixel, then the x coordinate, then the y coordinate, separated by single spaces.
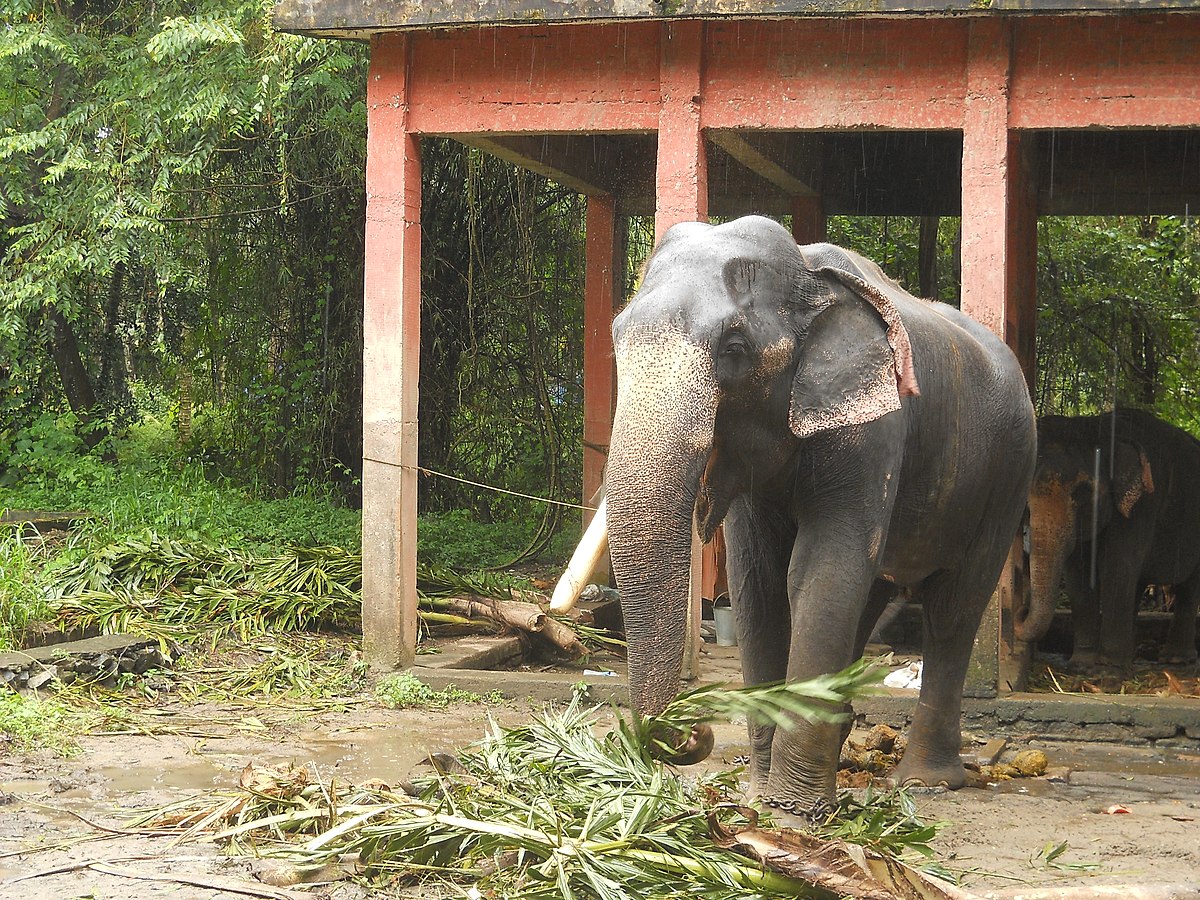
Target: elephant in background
pixel 1147 528
pixel 854 441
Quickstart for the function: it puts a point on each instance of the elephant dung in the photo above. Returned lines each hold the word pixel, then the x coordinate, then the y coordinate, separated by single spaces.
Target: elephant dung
pixel 882 738
pixel 1030 763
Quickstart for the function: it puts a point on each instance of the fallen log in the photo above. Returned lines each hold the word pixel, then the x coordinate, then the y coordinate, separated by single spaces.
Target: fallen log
pixel 524 617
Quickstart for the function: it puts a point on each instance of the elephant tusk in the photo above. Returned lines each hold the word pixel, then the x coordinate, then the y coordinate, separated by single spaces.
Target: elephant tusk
pixel 583 562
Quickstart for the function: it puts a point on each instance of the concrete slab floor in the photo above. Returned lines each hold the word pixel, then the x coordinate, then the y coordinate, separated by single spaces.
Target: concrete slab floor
pixel 1134 719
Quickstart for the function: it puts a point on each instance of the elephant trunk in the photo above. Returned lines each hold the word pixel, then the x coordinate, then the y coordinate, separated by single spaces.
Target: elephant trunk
pixel 1050 533
pixel 661 439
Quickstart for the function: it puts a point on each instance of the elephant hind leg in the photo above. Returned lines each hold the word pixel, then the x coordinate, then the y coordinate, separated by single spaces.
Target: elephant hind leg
pixel 951 610
pixel 1180 646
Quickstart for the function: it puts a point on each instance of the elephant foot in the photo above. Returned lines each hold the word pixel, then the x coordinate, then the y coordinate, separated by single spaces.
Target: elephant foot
pixel 800 813
pixel 929 773
pixel 677 749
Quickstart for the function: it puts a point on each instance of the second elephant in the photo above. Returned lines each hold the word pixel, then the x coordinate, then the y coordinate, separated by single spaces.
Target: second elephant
pixel 1147 528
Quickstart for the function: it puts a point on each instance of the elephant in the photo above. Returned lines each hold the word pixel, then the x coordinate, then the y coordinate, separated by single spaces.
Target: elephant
pixel 1147 531
pixel 854 440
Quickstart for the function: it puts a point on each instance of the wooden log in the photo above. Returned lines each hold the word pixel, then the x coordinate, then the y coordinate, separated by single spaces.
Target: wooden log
pixel 522 616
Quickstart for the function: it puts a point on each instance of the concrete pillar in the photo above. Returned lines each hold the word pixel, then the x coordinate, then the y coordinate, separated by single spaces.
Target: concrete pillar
pixel 604 278
pixel 682 174
pixel 681 183
pixel 392 341
pixel 808 220
pixel 600 291
pixel 999 258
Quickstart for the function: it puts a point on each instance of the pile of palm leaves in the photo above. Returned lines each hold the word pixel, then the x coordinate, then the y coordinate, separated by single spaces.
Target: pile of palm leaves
pixel 169 589
pixel 552 810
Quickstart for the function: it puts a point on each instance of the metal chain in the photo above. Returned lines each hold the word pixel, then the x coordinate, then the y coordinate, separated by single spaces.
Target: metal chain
pixel 814 811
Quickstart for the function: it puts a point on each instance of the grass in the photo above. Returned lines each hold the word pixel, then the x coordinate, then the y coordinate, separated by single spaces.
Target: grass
pixel 31 723
pixel 406 691
pixel 22 598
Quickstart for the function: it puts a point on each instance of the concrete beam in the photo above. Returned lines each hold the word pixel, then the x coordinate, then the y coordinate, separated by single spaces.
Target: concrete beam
pixel 592 165
pixel 353 19
pixel 766 163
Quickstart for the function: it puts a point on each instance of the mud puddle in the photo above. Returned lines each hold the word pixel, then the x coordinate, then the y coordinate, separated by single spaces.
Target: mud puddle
pixel 997 837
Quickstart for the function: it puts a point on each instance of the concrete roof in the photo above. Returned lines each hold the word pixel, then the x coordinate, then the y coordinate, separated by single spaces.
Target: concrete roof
pixel 361 18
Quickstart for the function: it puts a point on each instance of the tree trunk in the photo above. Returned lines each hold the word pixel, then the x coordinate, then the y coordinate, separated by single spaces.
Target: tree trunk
pixel 64 349
pixel 927 257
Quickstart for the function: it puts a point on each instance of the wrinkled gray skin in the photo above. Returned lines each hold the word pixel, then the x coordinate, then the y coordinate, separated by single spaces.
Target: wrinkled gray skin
pixel 1148 532
pixel 759 385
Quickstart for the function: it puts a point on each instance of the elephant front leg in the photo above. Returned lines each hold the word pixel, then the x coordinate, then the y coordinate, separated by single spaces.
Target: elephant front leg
pixel 758 543
pixel 1085 610
pixel 1119 594
pixel 829 590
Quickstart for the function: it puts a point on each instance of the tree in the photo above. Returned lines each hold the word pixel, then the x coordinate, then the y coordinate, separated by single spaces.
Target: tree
pixel 181 169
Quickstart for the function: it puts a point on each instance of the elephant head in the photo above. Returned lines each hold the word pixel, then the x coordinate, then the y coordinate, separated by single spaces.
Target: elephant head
pixel 738 346
pixel 1064 494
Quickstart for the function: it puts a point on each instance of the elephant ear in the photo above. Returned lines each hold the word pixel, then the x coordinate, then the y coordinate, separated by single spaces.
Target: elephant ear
pixel 857 361
pixel 1132 477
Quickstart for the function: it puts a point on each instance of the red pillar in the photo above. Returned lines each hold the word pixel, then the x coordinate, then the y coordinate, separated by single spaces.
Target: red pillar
pixel 999 258
pixel 392 341
pixel 682 174
pixel 681 184
pixel 598 375
pixel 985 175
pixel 808 220
pixel 1021 280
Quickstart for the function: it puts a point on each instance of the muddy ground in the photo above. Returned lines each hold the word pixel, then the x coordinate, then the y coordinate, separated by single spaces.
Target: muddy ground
pixel 996 836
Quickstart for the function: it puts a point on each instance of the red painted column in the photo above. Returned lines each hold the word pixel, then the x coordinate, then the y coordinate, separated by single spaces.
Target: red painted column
pixel 808 220
pixel 392 341
pixel 985 175
pixel 598 373
pixel 682 174
pixel 1021 278
pixel 999 258
pixel 681 184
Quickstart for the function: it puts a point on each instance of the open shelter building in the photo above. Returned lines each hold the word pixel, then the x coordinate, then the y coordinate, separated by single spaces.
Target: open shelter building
pixel 997 111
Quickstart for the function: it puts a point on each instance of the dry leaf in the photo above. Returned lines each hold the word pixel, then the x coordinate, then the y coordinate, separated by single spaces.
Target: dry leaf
pixel 848 870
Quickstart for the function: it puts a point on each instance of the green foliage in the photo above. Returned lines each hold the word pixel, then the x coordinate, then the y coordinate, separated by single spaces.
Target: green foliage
pixel 456 539
pixel 406 691
pixel 170 590
pixel 150 487
pixel 23 599
pixel 782 704
pixel 31 723
pixel 552 809
pixel 893 242
pixel 181 188
pixel 1119 316
pixel 886 822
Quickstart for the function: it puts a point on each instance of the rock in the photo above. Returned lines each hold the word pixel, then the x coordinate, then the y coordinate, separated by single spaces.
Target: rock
pixel 45 676
pixel 1030 763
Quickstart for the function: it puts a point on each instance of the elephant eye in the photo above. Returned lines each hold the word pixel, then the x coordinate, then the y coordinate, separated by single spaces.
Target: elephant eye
pixel 735 346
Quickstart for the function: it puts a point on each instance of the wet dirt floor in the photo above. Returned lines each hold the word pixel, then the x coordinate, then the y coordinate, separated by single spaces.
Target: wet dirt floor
pixel 997 836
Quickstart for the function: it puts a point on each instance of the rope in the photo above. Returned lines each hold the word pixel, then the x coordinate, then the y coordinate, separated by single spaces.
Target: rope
pixel 486 487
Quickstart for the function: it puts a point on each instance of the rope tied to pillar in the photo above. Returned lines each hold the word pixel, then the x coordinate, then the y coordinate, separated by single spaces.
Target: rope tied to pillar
pixel 478 484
